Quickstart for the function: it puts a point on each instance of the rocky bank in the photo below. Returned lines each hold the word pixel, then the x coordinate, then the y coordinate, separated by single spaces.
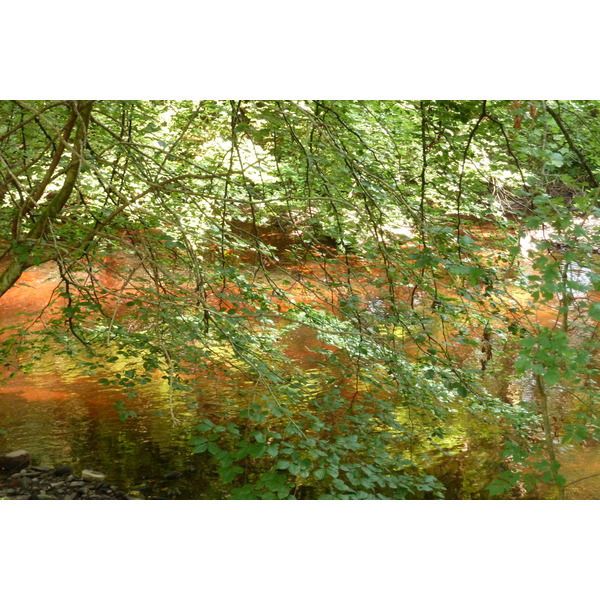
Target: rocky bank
pixel 20 481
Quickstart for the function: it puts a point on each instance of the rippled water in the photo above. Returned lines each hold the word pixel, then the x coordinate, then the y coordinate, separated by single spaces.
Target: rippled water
pixel 63 417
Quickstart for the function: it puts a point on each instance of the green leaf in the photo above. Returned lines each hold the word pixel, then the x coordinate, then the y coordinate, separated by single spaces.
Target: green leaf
pixel 273 450
pixel 260 437
pixel 229 474
pixel 274 482
pixel 319 473
pixel 594 311
pixel 333 471
pixel 556 159
pixel 522 364
pixel 577 433
pixel 340 485
pixel 213 448
pixel 498 487
pixel 552 376
pixel 257 450
pixel 198 440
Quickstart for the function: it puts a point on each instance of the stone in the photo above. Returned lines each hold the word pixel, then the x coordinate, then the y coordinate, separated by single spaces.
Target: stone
pixel 89 475
pixel 25 483
pixel 46 497
pixel 14 461
pixel 42 469
pixel 77 484
pixel 63 470
pixel 173 475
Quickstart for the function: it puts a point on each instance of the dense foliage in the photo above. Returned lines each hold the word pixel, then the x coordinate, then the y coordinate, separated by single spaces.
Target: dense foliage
pixel 415 245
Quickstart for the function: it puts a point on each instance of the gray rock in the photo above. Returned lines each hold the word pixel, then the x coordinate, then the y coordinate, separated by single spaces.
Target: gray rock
pixel 77 484
pixel 14 461
pixel 63 470
pixel 46 497
pixel 89 475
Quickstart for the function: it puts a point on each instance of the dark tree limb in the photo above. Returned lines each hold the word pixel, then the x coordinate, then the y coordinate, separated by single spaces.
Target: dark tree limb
pixel 590 174
pixel 482 116
pixel 19 258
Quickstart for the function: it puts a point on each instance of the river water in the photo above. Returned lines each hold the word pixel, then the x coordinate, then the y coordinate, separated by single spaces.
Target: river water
pixel 62 416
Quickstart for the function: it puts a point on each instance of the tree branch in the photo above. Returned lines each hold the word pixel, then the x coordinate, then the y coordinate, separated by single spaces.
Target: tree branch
pixel 590 175
pixel 20 256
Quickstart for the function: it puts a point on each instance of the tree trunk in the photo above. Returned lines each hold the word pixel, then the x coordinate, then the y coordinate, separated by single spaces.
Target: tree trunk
pixel 18 258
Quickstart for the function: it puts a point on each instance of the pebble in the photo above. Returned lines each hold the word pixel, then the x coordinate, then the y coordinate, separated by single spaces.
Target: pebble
pixel 14 461
pixel 89 475
pixel 47 483
pixel 63 470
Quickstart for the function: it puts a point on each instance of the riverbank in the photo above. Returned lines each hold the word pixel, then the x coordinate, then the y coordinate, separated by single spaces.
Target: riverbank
pixel 46 483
